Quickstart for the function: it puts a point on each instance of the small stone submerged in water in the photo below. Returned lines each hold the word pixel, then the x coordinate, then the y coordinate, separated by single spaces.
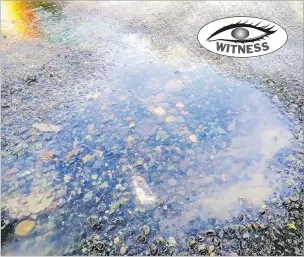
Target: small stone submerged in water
pixel 192 138
pixel 117 220
pixel 94 221
pixel 45 127
pixel 160 111
pixel 123 250
pixel 141 238
pixel 179 105
pixel 201 248
pixel 161 135
pixel 145 229
pixel 101 207
pixel 171 242
pixel 170 119
pixel 153 249
pixel 24 227
pixel 46 156
pixel 172 182
pixel 191 242
pixel 116 239
pixel 140 161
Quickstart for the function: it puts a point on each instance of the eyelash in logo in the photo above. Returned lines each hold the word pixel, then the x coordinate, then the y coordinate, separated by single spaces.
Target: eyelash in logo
pixel 240 32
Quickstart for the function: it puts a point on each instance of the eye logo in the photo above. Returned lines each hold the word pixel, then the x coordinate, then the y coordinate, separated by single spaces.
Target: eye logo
pixel 242 36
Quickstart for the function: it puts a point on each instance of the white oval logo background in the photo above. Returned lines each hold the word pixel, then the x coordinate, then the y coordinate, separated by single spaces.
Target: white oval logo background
pixel 217 44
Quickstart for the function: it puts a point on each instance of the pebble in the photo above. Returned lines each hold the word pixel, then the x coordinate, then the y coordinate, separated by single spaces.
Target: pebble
pixel 224 177
pixel 101 207
pixel 201 248
pixel 47 156
pixel 291 226
pixel 145 229
pixel 116 239
pixel 91 128
pixel 171 242
pixel 71 154
pixel 93 220
pixel 210 232
pixel 141 238
pixel 153 249
pixel 221 131
pixel 140 161
pixel 130 139
pixel 87 158
pixel 216 241
pixel 231 126
pixel 193 138
pixel 211 249
pixel 170 119
pixel 160 111
pixel 159 240
pixel 241 216
pixel 172 182
pixel 45 127
pixel 12 171
pixel 24 227
pixel 161 135
pixel 123 250
pixel 246 235
pixel 94 176
pixel 131 125
pixel 67 178
pixel 88 196
pixel 180 105
pixel 88 137
pixel 220 233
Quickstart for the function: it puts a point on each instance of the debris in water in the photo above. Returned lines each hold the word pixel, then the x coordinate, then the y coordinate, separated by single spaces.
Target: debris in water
pixel 143 192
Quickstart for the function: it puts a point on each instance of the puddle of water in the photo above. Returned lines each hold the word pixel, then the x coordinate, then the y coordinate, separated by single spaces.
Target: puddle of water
pixel 205 145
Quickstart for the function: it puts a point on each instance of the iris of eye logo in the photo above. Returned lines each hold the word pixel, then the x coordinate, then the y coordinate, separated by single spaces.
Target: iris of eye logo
pixel 242 36
pixel 241 31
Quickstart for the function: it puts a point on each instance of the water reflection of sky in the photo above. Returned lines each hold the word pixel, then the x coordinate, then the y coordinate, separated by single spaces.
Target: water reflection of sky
pixel 228 168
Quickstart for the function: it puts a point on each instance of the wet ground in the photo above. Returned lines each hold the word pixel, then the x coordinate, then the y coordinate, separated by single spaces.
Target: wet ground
pixel 116 144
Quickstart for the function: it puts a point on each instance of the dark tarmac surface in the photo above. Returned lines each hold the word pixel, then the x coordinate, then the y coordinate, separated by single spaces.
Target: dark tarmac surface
pixel 121 135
